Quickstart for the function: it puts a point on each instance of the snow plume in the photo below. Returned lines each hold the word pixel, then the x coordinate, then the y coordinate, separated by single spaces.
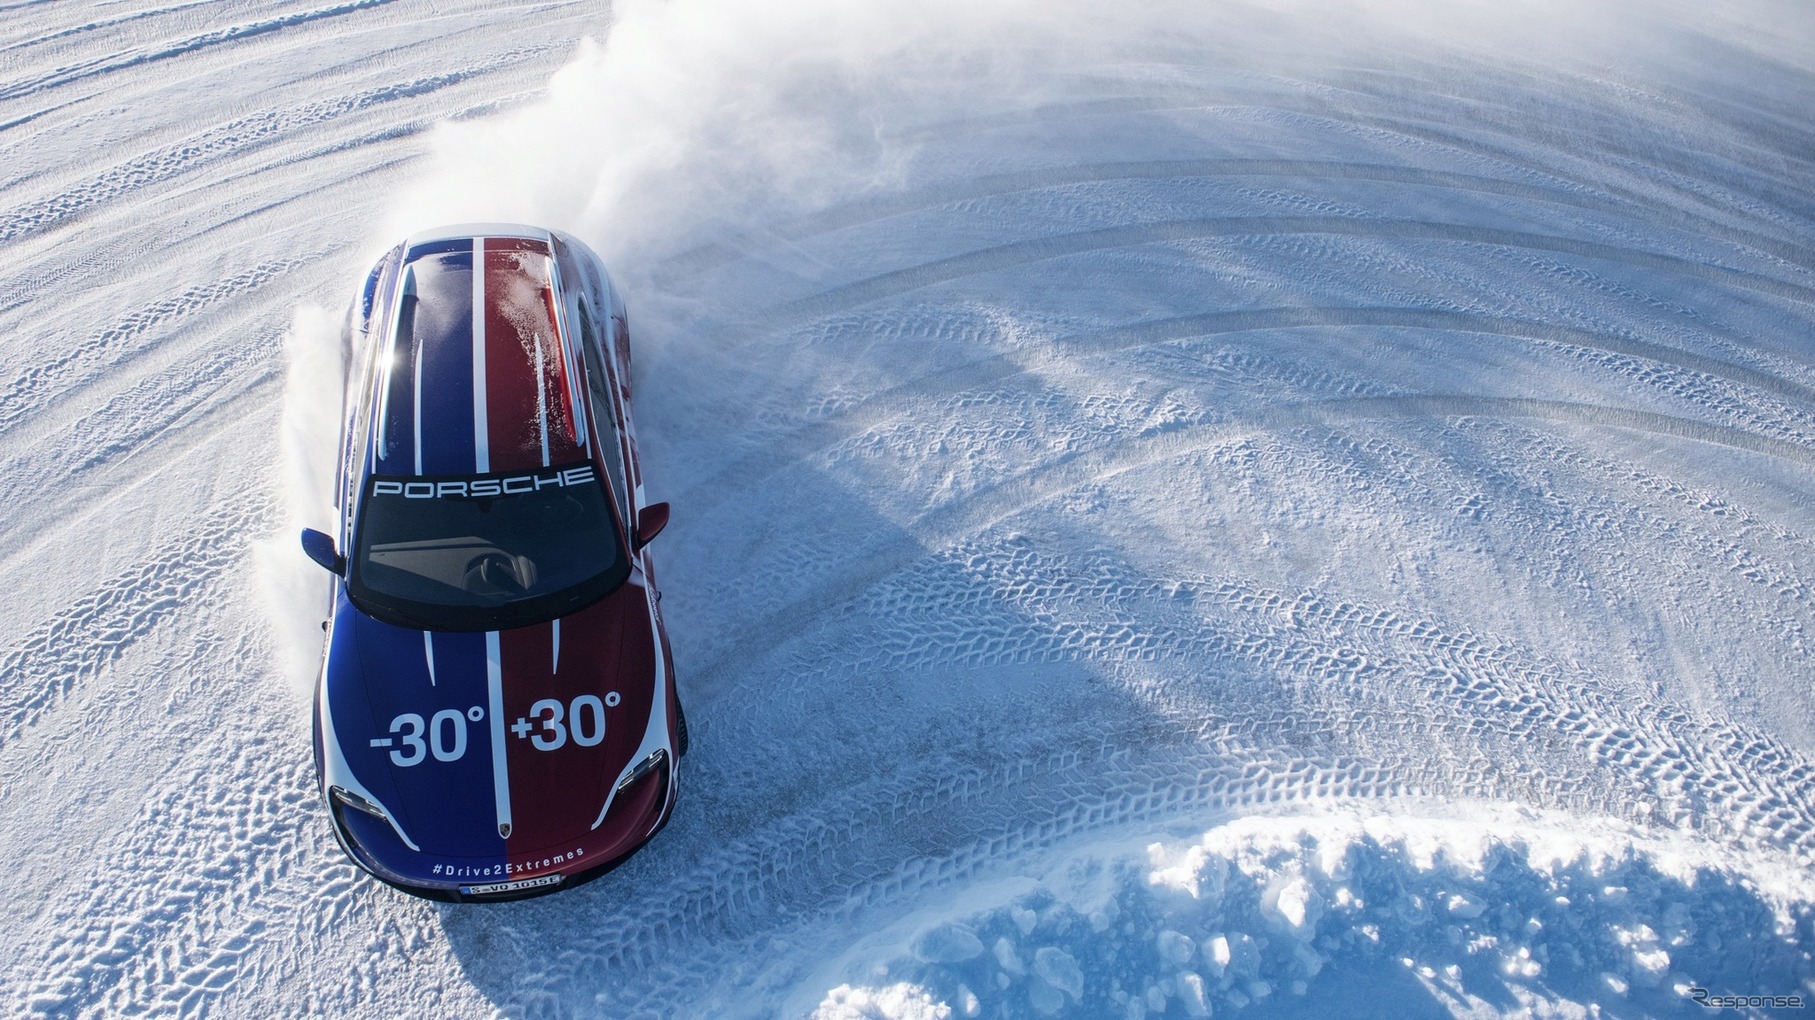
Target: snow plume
pixel 697 117
pixel 294 588
pixel 692 113
pixel 1352 914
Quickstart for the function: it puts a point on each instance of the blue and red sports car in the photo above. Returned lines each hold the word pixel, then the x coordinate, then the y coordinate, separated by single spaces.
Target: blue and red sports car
pixel 496 715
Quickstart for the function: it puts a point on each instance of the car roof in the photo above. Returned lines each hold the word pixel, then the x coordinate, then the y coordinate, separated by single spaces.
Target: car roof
pixel 483 373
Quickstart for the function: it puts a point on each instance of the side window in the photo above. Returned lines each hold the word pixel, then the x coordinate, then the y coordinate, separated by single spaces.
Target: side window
pixel 599 396
pixel 371 336
pixel 620 326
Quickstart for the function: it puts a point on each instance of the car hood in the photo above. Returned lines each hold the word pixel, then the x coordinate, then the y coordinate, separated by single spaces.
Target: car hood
pixel 493 747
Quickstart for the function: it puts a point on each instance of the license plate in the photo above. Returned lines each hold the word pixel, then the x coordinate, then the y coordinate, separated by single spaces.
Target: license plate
pixel 503 887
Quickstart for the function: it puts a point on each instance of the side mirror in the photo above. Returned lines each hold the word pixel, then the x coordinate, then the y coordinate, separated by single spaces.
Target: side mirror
pixel 321 549
pixel 650 522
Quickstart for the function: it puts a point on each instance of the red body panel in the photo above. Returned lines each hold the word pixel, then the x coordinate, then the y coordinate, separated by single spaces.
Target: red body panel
pixel 561 765
pixel 529 407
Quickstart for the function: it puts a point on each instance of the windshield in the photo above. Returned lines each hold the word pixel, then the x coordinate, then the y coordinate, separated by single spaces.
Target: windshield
pixel 485 552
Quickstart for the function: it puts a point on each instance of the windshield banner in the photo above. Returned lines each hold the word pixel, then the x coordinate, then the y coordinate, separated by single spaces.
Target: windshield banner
pixel 482 486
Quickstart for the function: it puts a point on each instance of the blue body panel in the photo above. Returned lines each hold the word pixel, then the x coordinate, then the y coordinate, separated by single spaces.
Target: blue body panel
pixel 372 702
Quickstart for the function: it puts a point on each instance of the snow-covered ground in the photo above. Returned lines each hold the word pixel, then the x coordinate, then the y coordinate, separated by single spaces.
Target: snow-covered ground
pixel 1238 509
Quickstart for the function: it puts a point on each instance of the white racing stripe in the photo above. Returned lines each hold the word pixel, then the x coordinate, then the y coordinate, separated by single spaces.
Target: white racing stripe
pixel 482 449
pixel 494 686
pixel 428 642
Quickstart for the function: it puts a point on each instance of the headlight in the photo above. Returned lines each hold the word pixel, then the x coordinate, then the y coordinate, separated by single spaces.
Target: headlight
pixel 358 803
pixel 643 768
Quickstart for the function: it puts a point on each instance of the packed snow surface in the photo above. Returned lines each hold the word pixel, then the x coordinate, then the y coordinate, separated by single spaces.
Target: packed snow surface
pixel 1200 509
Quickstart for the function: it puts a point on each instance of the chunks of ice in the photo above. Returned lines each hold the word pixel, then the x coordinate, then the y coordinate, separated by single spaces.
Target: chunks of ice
pixel 1279 924
pixel 1650 961
pixel 1244 955
pixel 1217 954
pixel 947 943
pixel 1465 906
pixel 1649 966
pixel 1176 948
pixel 1192 996
pixel 1008 959
pixel 1059 969
pixel 895 1002
pixel 1294 902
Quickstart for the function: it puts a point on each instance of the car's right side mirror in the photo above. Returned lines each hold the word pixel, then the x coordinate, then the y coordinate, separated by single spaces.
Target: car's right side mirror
pixel 650 522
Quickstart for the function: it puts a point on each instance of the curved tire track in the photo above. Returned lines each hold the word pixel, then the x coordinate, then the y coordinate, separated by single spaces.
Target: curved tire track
pixel 954 522
pixel 992 185
pixel 742 474
pixel 1020 253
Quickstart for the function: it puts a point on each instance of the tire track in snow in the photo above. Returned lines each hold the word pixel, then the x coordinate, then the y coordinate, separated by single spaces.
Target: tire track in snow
pixel 1563 412
pixel 73 73
pixel 1743 177
pixel 1355 660
pixel 896 401
pixel 1641 169
pixel 1498 682
pixel 234 138
pixel 86 27
pixel 1498 687
pixel 1041 483
pixel 767 634
pixel 801 872
pixel 1020 253
pixel 38 382
pixel 1596 152
pixel 864 836
pixel 994 185
pixel 1127 790
pixel 226 843
pixel 83 638
pixel 1774 558
pixel 1610 742
pixel 160 412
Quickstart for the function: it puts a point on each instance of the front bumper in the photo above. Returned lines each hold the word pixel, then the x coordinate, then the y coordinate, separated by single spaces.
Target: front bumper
pixel 379 844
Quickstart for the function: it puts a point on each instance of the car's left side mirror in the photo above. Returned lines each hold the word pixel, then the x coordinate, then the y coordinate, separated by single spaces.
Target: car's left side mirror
pixel 321 549
pixel 650 522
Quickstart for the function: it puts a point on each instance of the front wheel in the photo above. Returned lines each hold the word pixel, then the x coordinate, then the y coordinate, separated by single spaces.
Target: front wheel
pixel 680 740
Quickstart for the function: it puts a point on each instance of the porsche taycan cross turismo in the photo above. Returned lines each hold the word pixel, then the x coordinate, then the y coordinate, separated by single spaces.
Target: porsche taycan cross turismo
pixel 496 715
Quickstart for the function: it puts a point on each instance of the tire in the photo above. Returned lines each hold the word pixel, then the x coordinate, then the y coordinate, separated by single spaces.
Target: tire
pixel 680 740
